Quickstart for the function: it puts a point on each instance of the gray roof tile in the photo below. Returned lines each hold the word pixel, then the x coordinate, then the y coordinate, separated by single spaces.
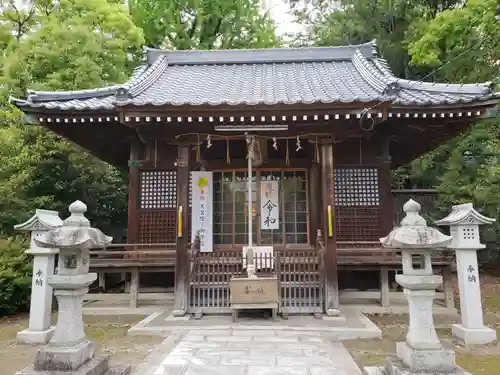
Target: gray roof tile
pixel 268 76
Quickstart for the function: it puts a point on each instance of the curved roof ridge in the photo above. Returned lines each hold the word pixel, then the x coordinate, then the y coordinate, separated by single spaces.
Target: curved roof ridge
pixel 46 96
pixel 147 77
pixel 371 75
pixel 384 67
pixel 461 88
pixel 34 96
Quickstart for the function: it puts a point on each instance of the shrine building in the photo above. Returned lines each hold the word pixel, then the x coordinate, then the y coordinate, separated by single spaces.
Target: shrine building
pixel 327 126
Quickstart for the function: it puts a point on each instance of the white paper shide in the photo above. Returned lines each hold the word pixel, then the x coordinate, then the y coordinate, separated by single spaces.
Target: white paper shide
pixel 202 208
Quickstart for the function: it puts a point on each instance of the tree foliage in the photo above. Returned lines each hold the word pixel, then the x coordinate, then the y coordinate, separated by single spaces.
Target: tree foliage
pixel 15 276
pixel 346 22
pixel 463 43
pixel 204 24
pixel 76 44
pixel 82 44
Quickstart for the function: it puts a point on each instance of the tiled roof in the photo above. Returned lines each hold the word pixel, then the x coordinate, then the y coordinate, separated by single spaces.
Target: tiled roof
pixel 268 76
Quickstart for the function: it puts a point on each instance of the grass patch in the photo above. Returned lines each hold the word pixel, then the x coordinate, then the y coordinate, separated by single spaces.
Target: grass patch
pixel 491 302
pixel 480 365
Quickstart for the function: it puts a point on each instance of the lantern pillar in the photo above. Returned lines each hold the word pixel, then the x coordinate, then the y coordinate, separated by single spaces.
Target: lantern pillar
pixel 422 352
pixel 39 330
pixel 464 222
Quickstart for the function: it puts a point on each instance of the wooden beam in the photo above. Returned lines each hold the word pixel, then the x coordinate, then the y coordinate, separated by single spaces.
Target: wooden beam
pixel 133 193
pixel 181 264
pixel 385 193
pixel 270 163
pixel 315 201
pixel 330 256
pixel 246 110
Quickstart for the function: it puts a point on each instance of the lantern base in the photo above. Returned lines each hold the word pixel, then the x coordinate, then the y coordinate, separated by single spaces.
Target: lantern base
pixel 474 336
pixel 64 358
pixel 98 365
pixel 437 360
pixel 29 336
pixel 397 367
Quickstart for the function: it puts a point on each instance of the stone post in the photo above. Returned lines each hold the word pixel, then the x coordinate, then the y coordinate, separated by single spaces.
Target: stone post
pixel 421 352
pixel 464 222
pixel 39 330
pixel 69 350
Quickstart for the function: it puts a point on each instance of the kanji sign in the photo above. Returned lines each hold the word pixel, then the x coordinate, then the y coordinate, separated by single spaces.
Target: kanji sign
pixel 471 277
pixel 39 278
pixel 202 208
pixel 269 210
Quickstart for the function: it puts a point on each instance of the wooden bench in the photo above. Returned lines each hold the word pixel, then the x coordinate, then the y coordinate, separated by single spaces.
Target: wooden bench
pixel 133 259
pixel 371 256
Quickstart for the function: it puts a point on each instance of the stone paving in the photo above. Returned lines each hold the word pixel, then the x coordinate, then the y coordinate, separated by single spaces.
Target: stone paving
pixel 250 352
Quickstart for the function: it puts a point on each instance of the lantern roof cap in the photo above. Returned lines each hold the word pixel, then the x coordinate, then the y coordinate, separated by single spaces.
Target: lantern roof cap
pixel 75 232
pixel 41 220
pixel 413 233
pixel 464 214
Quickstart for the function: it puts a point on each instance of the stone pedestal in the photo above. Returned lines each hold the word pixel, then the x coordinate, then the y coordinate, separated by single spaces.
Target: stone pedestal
pixel 421 352
pixel 39 330
pixel 69 351
pixel 472 329
pixel 464 223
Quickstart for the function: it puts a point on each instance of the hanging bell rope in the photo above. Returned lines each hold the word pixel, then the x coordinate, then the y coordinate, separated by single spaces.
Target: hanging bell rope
pixel 316 152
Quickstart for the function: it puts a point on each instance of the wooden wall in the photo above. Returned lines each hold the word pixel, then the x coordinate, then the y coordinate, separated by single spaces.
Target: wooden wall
pixel 361 187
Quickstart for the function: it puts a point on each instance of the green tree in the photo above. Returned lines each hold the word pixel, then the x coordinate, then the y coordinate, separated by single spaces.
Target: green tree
pixel 203 24
pixel 77 44
pixel 463 43
pixel 80 44
pixel 333 22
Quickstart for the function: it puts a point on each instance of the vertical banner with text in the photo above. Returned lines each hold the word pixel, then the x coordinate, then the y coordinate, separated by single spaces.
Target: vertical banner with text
pixel 202 209
pixel 269 209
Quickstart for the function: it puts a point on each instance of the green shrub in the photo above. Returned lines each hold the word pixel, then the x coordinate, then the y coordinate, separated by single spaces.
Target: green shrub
pixel 15 276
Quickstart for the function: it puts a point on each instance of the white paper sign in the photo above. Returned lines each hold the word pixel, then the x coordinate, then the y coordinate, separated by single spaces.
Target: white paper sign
pixel 202 209
pixel 269 209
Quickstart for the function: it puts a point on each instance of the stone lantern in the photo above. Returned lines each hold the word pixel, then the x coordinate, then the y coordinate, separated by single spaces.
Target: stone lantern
pixel 69 350
pixel 39 330
pixel 422 352
pixel 464 222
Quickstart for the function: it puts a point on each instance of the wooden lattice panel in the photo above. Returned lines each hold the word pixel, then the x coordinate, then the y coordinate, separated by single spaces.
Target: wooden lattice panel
pixel 158 190
pixel 356 187
pixel 357 223
pixel 157 226
pixel 357 204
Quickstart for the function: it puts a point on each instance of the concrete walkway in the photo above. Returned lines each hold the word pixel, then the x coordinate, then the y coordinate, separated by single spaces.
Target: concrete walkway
pixel 249 352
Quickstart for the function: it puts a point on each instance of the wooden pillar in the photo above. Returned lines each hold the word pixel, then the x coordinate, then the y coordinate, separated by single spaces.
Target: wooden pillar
pixel 134 287
pixel 315 202
pixel 385 180
pixel 133 192
pixel 384 286
pixel 449 300
pixel 181 263
pixel 330 256
pixel 102 280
